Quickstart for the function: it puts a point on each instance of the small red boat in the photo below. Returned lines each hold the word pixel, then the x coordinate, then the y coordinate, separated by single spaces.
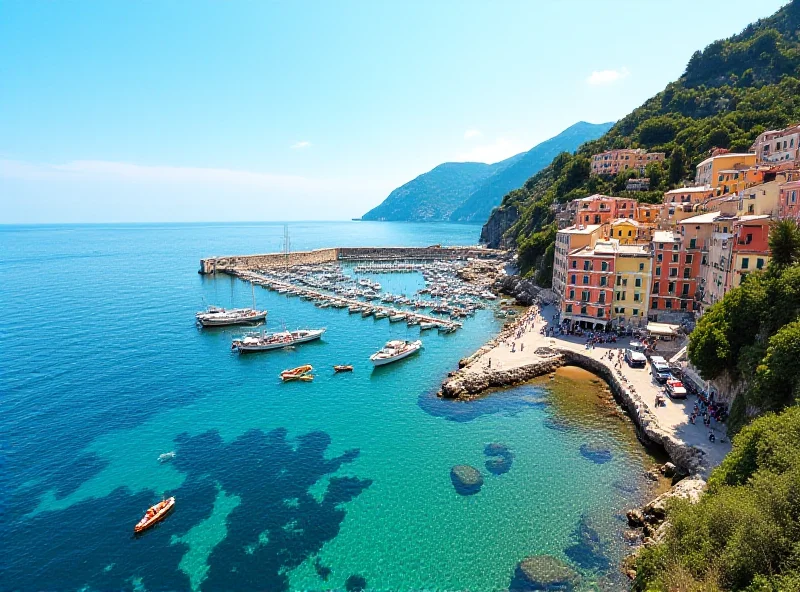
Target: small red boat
pixel 154 515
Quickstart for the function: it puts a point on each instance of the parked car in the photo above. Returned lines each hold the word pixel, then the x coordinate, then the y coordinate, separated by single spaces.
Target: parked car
pixel 661 370
pixel 635 359
pixel 675 389
pixel 636 346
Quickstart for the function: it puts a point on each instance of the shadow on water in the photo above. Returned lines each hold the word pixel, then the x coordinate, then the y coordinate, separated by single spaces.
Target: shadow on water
pixel 588 550
pixel 508 402
pixel 91 543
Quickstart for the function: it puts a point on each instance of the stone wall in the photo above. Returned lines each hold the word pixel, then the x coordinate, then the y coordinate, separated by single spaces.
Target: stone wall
pixel 268 260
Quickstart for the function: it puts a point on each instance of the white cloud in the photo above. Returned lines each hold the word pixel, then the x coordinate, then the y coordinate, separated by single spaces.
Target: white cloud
pixel 300 145
pixel 602 77
pixel 498 150
pixel 472 133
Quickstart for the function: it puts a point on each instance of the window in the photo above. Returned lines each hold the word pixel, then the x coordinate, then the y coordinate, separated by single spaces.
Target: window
pixel 759 263
pixel 654 305
pixel 671 287
pixel 569 308
pixel 683 305
pixel 660 257
pixel 585 295
pixel 668 304
pixel 673 272
pixel 602 298
pixel 641 267
pixel 685 289
pixel 601 312
pixel 676 247
pixel 574 265
pixel 675 257
pixel 572 294
pixel 573 279
pixel 636 312
pixel 658 271
pixel 693 243
pixel 745 262
pixel 629 233
pixel 603 281
pixel 655 287
pixel 620 311
pixel 688 258
pixel 586 266
pixel 637 297
pixel 583 310
pixel 687 273
pixel 604 266
pixel 586 280
pixel 638 282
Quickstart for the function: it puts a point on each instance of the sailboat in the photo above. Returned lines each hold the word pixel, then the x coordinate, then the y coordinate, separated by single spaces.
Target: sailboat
pixel 215 316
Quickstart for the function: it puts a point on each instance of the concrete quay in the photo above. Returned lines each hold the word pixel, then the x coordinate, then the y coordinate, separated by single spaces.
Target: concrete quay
pixel 635 389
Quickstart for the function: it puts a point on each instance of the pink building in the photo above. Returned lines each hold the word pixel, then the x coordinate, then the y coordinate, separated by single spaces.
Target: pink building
pixel 601 209
pixel 612 162
pixel 589 290
pixel 789 200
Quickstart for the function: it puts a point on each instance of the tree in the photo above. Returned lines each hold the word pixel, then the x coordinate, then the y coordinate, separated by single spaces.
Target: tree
pixel 677 166
pixel 784 242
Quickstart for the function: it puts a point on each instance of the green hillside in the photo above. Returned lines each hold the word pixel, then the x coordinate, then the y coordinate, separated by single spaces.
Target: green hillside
pixel 730 92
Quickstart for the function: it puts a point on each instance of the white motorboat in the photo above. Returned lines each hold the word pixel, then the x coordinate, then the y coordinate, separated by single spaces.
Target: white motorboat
pixel 269 341
pixel 381 314
pixel 426 326
pixel 395 350
pixel 396 318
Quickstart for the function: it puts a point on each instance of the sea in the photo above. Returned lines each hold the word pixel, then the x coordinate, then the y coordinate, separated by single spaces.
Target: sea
pixel 343 483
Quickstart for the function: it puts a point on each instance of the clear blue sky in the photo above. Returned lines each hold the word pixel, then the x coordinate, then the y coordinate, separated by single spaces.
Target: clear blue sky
pixel 193 110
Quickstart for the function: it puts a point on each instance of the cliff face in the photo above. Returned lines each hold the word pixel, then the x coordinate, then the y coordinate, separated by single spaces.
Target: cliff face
pixel 500 220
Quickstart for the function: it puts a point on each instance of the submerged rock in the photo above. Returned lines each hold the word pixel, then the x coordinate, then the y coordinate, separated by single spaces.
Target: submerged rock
pixel 596 453
pixel 588 550
pixel 543 572
pixel 495 449
pixel 355 583
pixel 500 465
pixel 466 479
pixel 323 571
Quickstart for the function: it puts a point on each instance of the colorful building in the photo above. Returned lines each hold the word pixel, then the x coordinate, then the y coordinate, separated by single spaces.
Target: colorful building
pixel 589 291
pixel 602 209
pixel 633 276
pixel 760 199
pixel 613 162
pixel 789 200
pixel 682 203
pixel 715 263
pixel 750 246
pixel 778 147
pixel 714 171
pixel 568 240
pixel 625 230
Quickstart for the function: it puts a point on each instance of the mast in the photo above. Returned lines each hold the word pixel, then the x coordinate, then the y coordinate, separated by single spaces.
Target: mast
pixel 286 246
pixel 253 288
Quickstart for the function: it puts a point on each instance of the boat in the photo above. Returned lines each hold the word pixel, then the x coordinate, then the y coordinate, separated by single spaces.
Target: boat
pixel 367 312
pixel 268 341
pixel 396 318
pixel 154 515
pixel 215 316
pixel 394 351
pixel 343 368
pixel 447 328
pixel 426 326
pixel 354 309
pixel 167 456
pixel 412 321
pixel 296 373
pixel 381 314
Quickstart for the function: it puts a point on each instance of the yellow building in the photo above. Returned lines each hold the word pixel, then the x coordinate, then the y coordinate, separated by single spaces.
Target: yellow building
pixel 724 171
pixel 633 265
pixel 626 231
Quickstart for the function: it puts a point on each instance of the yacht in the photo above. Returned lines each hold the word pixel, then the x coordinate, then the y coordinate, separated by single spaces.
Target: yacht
pixel 395 350
pixel 215 316
pixel 268 341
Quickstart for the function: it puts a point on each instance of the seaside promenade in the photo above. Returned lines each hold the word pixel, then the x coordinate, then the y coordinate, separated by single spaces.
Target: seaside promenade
pixel 516 347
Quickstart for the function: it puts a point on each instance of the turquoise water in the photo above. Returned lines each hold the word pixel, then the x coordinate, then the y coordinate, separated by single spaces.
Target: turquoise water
pixel 279 486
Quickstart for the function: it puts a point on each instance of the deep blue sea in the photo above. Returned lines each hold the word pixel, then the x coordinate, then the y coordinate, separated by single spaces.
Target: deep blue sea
pixel 337 484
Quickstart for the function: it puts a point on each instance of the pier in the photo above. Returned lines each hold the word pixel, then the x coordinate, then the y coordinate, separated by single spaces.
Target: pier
pixel 346 255
pixel 343 302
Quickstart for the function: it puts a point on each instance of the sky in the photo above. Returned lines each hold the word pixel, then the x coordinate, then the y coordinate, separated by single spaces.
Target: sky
pixel 296 110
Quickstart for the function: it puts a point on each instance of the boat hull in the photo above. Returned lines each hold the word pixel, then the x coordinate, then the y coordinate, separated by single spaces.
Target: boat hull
pixel 244 348
pixel 210 322
pixel 143 526
pixel 384 361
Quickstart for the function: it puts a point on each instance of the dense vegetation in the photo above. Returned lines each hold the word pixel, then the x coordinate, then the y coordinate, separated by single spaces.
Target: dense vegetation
pixel 732 91
pixel 744 534
pixel 467 191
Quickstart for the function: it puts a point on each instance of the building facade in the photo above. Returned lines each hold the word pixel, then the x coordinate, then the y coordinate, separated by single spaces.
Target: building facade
pixel 602 209
pixel 613 162
pixel 589 290
pixel 708 171
pixel 633 277
pixel 568 240
pixel 750 248
pixel 789 200
pixel 778 147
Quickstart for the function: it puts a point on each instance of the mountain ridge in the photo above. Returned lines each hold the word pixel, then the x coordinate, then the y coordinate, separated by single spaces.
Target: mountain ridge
pixel 467 191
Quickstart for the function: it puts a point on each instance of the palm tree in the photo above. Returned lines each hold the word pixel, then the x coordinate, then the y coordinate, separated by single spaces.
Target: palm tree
pixel 784 242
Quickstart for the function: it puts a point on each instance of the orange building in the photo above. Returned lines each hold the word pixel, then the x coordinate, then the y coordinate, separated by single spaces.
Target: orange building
pixel 589 292
pixel 601 209
pixel 613 162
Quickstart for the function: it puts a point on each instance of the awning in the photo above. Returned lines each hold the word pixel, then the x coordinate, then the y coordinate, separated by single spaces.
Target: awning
pixel 663 329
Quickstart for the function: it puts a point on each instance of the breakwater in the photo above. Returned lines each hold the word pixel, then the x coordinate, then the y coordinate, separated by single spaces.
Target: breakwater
pixel 345 254
pixel 467 384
